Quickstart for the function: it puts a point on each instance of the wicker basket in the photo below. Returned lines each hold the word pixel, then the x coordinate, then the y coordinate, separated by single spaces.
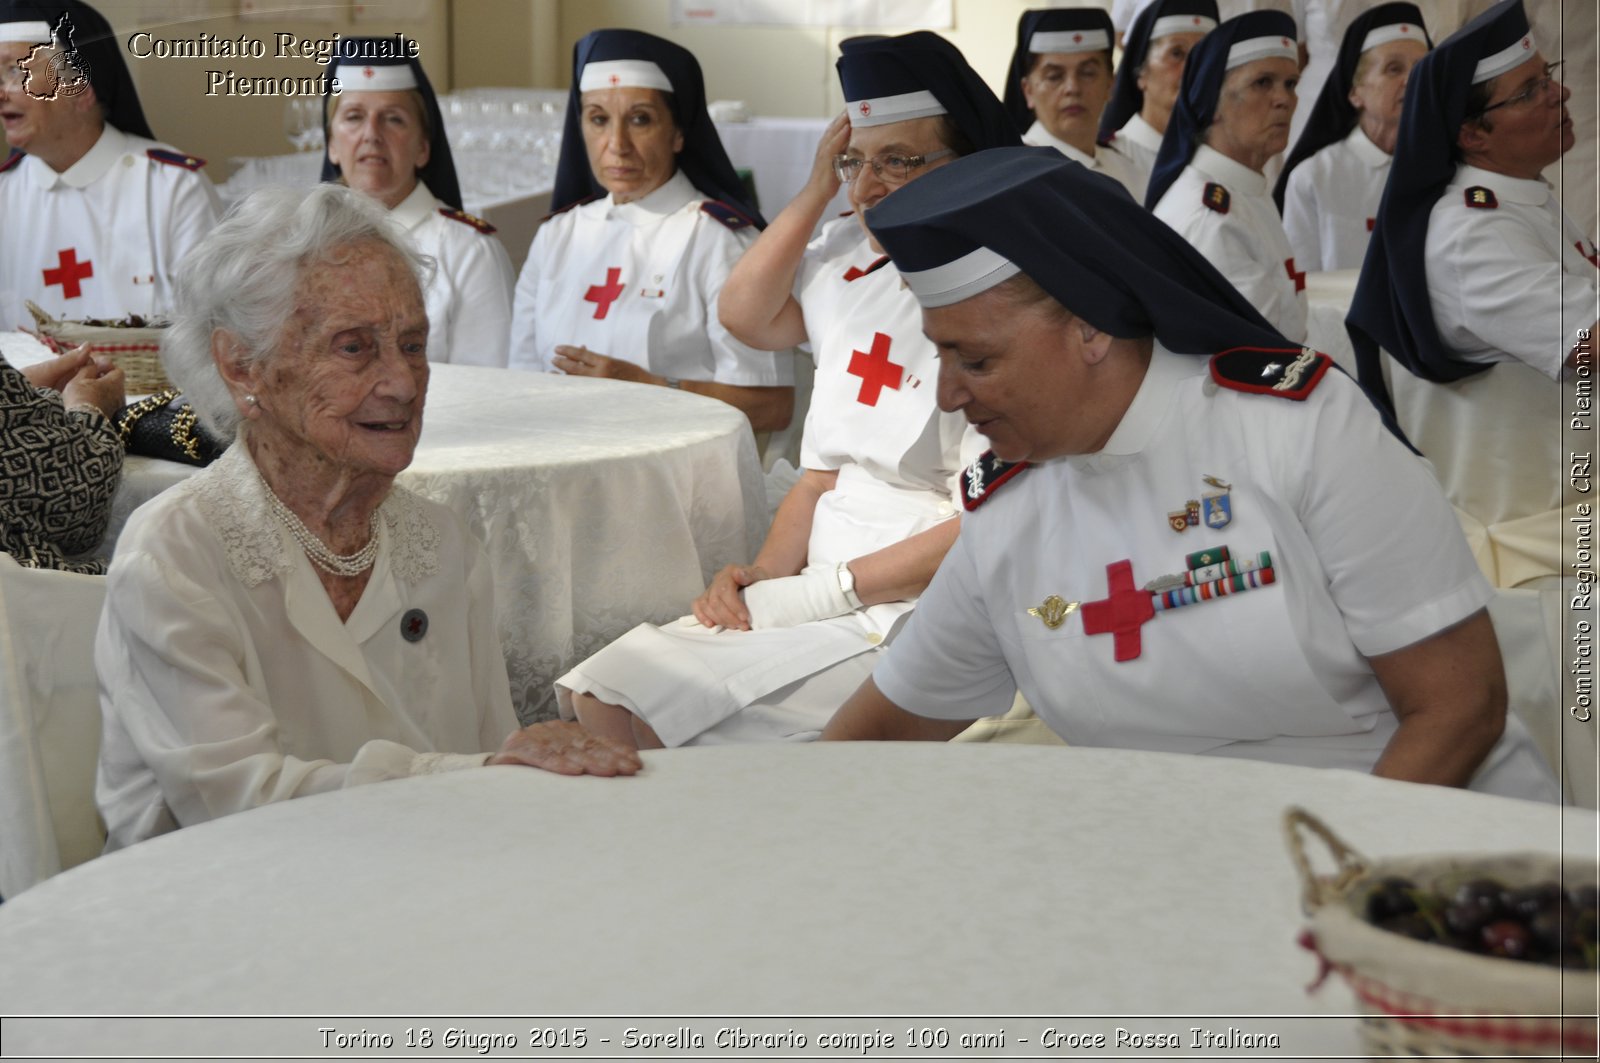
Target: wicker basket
pixel 136 349
pixel 1420 998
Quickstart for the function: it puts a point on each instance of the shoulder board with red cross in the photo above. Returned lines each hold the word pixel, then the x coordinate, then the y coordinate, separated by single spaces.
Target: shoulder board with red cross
pixel 727 214
pixel 468 219
pixel 176 158
pixel 11 162
pixel 1481 198
pixel 1216 197
pixel 1284 372
pixel 983 478
pixel 574 205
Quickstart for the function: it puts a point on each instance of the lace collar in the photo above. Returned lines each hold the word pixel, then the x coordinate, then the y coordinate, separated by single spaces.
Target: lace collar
pixel 232 497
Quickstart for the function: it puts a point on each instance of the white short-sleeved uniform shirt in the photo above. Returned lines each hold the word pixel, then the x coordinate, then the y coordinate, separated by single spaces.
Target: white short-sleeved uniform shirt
pixel 1138 142
pixel 1515 280
pixel 1331 203
pixel 469 298
pixel 103 239
pixel 1239 231
pixel 228 681
pixel 639 281
pixel 1103 161
pixel 1277 672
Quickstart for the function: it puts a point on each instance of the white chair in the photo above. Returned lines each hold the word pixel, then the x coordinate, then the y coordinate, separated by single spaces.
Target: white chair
pixel 49 723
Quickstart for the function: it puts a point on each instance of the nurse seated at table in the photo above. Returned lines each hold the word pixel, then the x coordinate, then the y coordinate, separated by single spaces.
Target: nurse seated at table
pixel 1209 183
pixel 1154 55
pixel 1058 84
pixel 1184 538
pixel 287 621
pixel 622 280
pixel 1332 180
pixel 774 646
pixel 385 138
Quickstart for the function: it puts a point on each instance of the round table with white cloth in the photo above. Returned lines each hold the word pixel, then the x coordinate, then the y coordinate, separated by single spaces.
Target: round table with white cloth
pixel 601 504
pixel 914 879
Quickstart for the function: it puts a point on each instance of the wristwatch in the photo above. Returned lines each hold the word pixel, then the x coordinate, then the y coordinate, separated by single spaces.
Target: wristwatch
pixel 847 584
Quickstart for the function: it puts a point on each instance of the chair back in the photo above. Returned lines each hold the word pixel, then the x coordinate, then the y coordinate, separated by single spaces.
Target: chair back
pixel 49 723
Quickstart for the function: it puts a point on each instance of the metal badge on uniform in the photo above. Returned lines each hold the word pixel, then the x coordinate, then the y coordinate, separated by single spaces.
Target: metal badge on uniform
pixel 1054 611
pixel 413 625
pixel 1214 509
pixel 656 292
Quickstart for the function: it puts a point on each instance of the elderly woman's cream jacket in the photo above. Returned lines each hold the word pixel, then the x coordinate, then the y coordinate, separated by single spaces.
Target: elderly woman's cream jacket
pixel 227 680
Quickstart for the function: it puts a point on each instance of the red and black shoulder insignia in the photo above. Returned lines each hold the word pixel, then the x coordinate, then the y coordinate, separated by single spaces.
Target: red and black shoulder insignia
pixel 983 478
pixel 10 162
pixel 468 219
pixel 727 214
pixel 855 273
pixel 176 158
pixel 1481 198
pixel 1286 373
pixel 1216 197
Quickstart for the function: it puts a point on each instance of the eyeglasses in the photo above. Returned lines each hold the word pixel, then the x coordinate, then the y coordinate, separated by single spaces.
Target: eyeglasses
pixel 12 75
pixel 1533 92
pixel 890 167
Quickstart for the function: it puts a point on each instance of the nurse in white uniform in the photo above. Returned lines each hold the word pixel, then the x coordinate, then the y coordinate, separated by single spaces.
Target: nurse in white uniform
pixel 1209 183
pixel 95 213
pixel 1164 551
pixel 1478 285
pixel 1332 180
pixel 1058 84
pixel 386 138
pixel 622 280
pixel 1154 53
pixel 774 646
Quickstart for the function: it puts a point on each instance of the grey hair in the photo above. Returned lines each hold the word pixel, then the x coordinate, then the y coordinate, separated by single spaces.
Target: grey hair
pixel 242 278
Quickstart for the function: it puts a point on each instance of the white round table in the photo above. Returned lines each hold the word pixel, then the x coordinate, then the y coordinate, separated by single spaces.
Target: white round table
pixel 860 880
pixel 602 504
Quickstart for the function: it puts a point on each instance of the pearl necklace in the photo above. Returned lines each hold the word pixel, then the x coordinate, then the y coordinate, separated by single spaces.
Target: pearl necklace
pixel 317 550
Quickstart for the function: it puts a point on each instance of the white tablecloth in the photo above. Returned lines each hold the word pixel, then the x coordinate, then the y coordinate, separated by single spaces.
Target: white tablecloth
pixel 601 504
pixel 913 879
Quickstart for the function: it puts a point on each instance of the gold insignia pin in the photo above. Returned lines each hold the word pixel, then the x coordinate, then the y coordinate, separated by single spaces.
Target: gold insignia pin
pixel 1218 484
pixel 1053 611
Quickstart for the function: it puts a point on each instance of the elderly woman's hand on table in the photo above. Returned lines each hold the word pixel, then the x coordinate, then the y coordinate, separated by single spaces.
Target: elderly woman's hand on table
pixel 566 748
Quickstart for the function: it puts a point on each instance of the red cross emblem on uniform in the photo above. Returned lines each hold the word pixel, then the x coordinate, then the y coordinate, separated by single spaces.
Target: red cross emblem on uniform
pixel 614 79
pixel 866 108
pixel 875 370
pixel 368 72
pixel 1122 612
pixel 1297 276
pixel 68 272
pixel 603 295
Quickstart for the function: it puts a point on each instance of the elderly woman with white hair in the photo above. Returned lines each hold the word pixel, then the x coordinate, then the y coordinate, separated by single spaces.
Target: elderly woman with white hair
pixel 288 621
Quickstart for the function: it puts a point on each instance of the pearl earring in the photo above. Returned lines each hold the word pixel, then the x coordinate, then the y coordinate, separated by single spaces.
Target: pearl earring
pixel 250 400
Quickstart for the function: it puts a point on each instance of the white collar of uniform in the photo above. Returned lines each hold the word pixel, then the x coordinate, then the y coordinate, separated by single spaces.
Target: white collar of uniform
pixel 665 200
pixel 415 209
pixel 1366 150
pixel 1040 137
pixel 1239 178
pixel 89 169
pixel 1141 132
pixel 1533 192
pixel 1147 410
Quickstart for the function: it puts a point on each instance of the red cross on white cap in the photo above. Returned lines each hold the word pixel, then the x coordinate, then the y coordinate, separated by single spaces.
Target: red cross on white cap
pixel 1077 38
pixel 866 108
pixel 1404 28
pixel 614 79
pixel 1526 43
pixel 368 72
pixel 1284 41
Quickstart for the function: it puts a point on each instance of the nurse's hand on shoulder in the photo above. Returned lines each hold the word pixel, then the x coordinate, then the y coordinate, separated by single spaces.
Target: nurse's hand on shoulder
pixel 722 605
pixel 565 748
pixel 581 361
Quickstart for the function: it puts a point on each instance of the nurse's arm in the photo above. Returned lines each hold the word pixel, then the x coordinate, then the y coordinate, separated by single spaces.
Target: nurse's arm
pixel 869 716
pixel 1449 692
